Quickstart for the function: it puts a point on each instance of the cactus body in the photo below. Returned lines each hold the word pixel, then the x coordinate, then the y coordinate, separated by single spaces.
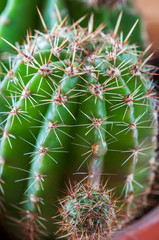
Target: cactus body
pixel 75 97
pixel 19 16
pixel 107 12
pixel 16 18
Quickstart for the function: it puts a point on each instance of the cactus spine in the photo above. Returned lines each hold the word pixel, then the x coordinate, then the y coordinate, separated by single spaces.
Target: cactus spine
pixel 18 16
pixel 76 97
pixel 107 12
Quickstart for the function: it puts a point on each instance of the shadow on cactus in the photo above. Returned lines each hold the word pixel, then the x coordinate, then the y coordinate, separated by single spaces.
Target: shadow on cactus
pixel 76 103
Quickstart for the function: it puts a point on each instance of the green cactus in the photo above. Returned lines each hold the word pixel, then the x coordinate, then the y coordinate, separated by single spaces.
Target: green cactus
pixel 107 12
pixel 17 16
pixel 86 209
pixel 14 21
pixel 75 97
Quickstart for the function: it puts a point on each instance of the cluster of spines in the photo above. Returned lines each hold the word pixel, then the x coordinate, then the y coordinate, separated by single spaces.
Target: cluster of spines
pixel 52 73
pixel 91 212
pixel 107 12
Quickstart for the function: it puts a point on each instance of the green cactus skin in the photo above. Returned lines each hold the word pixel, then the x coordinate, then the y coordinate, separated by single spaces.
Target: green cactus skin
pixel 16 18
pixel 105 12
pixel 2 6
pixel 74 98
pixel 15 21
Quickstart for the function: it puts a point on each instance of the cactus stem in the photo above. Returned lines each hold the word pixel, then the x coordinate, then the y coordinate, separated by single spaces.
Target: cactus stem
pixel 134 125
pixel 6 135
pixel 31 224
pixel 10 73
pixel 41 152
pixel 135 152
pixel 4 20
pixel 70 70
pixel 15 112
pixel 35 201
pixel 94 177
pixel 53 126
pixel 96 124
pixel 39 178
pixel 129 100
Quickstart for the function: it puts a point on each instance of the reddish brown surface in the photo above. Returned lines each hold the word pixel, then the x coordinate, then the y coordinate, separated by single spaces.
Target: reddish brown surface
pixel 147 228
pixel 150 13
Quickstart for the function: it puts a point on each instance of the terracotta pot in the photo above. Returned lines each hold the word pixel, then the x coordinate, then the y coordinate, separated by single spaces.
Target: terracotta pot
pixel 146 228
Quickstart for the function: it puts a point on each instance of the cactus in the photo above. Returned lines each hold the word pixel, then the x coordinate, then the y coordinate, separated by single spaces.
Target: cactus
pixel 16 18
pixel 75 100
pixel 14 21
pixel 107 12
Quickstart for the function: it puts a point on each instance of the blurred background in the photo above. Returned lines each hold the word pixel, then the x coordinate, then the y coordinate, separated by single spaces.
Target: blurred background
pixel 150 13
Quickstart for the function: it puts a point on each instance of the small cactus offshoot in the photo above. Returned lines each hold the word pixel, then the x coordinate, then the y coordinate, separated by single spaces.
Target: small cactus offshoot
pixel 76 101
pixel 89 212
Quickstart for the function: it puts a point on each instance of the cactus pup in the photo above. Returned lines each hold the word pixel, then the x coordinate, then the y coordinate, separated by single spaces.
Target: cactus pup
pixel 75 99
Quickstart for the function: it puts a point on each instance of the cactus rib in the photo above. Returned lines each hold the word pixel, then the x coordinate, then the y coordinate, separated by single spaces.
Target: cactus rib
pixel 78 101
